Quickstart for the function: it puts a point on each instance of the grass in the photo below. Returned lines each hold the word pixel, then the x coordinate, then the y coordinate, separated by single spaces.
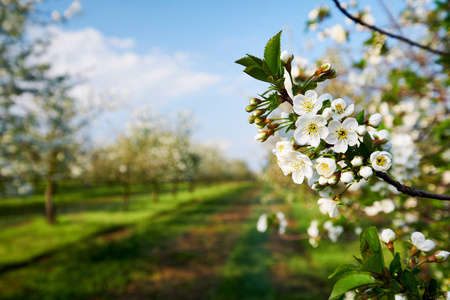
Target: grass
pixel 100 267
pixel 34 237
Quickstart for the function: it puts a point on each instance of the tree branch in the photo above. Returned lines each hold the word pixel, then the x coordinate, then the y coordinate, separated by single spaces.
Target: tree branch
pixel 382 31
pixel 285 96
pixel 409 190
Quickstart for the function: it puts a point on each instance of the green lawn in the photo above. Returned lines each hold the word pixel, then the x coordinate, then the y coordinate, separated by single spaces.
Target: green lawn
pixel 198 246
pixel 32 237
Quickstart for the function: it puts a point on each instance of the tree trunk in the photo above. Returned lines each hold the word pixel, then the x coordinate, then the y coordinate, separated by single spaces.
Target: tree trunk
pixel 155 191
pixel 126 196
pixel 175 189
pixel 49 209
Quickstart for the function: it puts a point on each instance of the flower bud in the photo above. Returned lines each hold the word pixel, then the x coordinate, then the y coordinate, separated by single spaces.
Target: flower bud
pixel 333 179
pixel 260 121
pixel 251 119
pixel 323 69
pixel 388 236
pixel 330 74
pixel 258 112
pixel 286 57
pixel 366 172
pixel 400 297
pixel 323 180
pixel 261 136
pixel 250 108
pixel 347 177
pixel 326 113
pixel 383 135
pixel 375 120
pixel 361 130
pixel 255 101
pixel 441 255
pixel 387 146
pixel 357 161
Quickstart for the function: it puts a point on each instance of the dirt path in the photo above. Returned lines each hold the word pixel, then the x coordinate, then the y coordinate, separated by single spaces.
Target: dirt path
pixel 190 266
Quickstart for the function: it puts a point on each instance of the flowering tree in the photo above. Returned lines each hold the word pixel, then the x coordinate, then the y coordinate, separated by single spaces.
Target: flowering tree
pixel 331 147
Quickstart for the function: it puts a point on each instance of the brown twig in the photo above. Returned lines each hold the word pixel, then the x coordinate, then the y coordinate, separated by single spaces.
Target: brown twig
pixel 382 31
pixel 409 190
pixel 285 96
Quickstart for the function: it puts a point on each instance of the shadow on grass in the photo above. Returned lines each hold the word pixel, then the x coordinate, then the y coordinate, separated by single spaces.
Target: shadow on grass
pixel 100 267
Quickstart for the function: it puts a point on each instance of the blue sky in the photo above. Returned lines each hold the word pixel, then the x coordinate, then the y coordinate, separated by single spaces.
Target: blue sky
pixel 199 40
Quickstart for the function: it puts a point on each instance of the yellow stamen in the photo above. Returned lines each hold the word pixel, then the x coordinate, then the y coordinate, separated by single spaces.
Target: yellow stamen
pixel 381 161
pixel 342 133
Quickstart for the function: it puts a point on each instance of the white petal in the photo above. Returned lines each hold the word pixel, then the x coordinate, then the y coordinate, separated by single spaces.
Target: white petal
pixel 315 140
pixel 426 246
pixel 323 132
pixel 331 138
pixel 350 124
pixel 352 138
pixel 311 94
pixel 334 125
pixel 417 238
pixel 324 97
pixel 297 177
pixel 349 110
pixel 341 146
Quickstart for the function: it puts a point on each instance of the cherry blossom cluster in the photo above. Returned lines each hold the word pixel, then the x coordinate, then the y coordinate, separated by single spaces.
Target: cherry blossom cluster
pixel 323 143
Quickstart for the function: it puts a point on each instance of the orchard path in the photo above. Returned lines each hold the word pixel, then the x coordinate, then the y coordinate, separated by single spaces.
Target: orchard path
pixel 200 250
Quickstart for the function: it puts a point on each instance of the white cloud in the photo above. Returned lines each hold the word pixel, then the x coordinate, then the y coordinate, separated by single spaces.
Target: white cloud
pixel 101 61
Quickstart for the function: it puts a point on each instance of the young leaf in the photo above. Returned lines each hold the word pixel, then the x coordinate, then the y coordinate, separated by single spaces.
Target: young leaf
pixel 256 73
pixel 257 60
pixel 395 265
pixel 343 269
pixel 395 286
pixel 350 282
pixel 410 282
pixel 374 264
pixel 247 62
pixel 367 140
pixel 360 117
pixel 272 53
pixel 364 151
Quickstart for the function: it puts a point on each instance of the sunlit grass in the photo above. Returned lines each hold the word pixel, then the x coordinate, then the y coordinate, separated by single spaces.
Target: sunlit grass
pixel 34 237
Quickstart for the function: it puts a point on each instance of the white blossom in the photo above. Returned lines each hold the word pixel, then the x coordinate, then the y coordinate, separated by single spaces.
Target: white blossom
pixel 286 56
pixel 419 241
pixel 327 204
pixel 309 104
pixel 297 164
pixel 400 297
pixel 375 120
pixel 261 226
pixel 381 160
pixel 388 236
pixel 366 172
pixel 442 255
pixel 326 166
pixel 310 130
pixel 337 33
pixel 361 130
pixel 313 230
pixel 357 161
pixel 347 177
pixel 327 113
pixel 342 135
pixel 340 109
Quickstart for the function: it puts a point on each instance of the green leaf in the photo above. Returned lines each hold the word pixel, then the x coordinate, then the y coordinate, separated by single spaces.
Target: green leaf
pixel 350 282
pixel 256 73
pixel 359 260
pixel 246 62
pixel 267 70
pixel 342 269
pixel 409 282
pixel 374 264
pixel 369 242
pixel 364 151
pixel 367 140
pixel 272 53
pixel 431 291
pixel 395 265
pixel 257 60
pixel 360 117
pixel 395 286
